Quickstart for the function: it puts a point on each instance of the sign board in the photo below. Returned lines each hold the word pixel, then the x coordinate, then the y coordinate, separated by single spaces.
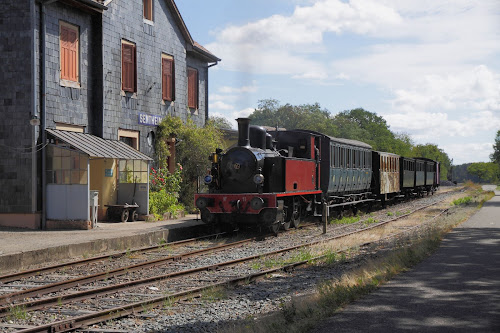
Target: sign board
pixel 108 172
pixel 149 119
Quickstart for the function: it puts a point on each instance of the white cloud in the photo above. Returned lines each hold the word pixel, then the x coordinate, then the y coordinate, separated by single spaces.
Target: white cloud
pixel 468 152
pixel 428 127
pixel 218 105
pixel 475 89
pixel 231 116
pixel 239 90
pixel 281 44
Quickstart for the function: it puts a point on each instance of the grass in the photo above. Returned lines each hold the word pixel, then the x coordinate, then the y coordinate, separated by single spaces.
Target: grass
pixel 302 313
pixel 462 201
pixel 346 220
pixel 18 312
pixel 213 294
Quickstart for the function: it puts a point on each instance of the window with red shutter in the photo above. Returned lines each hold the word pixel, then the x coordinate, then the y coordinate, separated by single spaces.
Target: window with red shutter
pixel 192 88
pixel 69 64
pixel 167 64
pixel 147 8
pixel 129 77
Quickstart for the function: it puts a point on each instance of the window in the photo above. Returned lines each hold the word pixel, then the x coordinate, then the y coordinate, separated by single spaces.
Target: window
pixel 129 75
pixel 69 62
pixel 147 9
pixel 133 171
pixel 66 166
pixel 192 88
pixel 167 78
pixel 131 138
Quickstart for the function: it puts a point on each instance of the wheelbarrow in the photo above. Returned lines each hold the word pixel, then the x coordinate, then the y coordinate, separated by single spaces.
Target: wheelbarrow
pixel 124 212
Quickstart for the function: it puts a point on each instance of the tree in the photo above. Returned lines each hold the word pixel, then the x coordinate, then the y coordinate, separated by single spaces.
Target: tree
pixel 359 124
pixel 269 112
pixel 220 122
pixel 488 172
pixel 495 157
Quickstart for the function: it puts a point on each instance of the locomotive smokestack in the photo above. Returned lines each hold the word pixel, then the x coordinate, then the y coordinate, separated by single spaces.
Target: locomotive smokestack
pixel 243 132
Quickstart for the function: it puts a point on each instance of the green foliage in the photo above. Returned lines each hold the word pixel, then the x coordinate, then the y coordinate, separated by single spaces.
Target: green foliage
pixel 495 157
pixel 162 179
pixel 462 201
pixel 487 172
pixel 357 124
pixel 433 152
pixel 346 220
pixel 18 312
pixel 460 174
pixel 307 116
pixel 162 202
pixel 194 145
pixel 368 127
pixel 220 122
pixel 164 191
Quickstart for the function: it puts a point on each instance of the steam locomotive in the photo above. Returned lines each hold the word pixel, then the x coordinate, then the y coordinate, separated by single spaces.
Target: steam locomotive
pixel 274 179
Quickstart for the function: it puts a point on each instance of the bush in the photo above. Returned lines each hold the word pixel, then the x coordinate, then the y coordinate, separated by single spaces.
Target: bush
pixel 162 202
pixel 462 201
pixel 164 190
pixel 193 146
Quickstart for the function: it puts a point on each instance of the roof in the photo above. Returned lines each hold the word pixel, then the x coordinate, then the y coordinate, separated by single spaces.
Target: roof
pixel 203 51
pixel 339 140
pixel 95 146
pixel 197 48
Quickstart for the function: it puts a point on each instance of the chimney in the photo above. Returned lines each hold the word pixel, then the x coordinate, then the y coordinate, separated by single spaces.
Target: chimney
pixel 243 132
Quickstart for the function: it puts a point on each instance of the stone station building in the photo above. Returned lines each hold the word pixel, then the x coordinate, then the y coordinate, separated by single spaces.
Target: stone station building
pixel 83 84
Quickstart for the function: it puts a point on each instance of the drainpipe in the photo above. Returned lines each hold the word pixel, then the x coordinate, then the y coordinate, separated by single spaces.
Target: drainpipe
pixel 34 187
pixel 206 91
pixel 43 115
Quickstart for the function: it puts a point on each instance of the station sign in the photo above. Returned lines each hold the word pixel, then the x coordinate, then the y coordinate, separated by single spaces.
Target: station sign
pixel 149 119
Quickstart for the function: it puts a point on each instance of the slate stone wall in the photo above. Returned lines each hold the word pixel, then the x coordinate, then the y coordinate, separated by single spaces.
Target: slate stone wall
pixel 124 21
pixel 16 37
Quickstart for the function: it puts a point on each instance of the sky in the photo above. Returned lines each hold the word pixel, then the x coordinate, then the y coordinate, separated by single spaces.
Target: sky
pixel 431 68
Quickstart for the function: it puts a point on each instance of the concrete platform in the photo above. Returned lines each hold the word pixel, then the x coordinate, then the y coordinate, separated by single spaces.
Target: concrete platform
pixel 20 248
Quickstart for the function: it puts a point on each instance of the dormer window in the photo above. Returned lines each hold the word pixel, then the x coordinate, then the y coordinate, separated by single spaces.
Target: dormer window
pixel 147 9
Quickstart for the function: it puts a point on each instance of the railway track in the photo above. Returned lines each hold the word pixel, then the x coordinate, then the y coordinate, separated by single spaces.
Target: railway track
pixel 84 301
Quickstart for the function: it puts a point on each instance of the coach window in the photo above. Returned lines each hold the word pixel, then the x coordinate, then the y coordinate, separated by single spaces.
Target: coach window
pixel 332 156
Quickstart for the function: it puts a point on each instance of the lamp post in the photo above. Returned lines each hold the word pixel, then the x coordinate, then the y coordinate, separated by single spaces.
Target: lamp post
pixel 34 121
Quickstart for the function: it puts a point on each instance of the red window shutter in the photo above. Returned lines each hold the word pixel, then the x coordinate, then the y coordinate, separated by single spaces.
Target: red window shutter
pixel 167 79
pixel 128 68
pixel 192 88
pixel 147 6
pixel 69 53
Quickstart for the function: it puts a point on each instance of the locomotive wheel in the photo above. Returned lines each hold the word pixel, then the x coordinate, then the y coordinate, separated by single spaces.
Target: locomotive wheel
pixel 275 227
pixel 287 217
pixel 125 214
pixel 286 225
pixel 295 218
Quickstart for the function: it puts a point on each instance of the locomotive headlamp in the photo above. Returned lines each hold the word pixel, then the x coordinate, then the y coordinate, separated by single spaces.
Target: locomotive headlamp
pixel 258 179
pixel 208 179
pixel 256 203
